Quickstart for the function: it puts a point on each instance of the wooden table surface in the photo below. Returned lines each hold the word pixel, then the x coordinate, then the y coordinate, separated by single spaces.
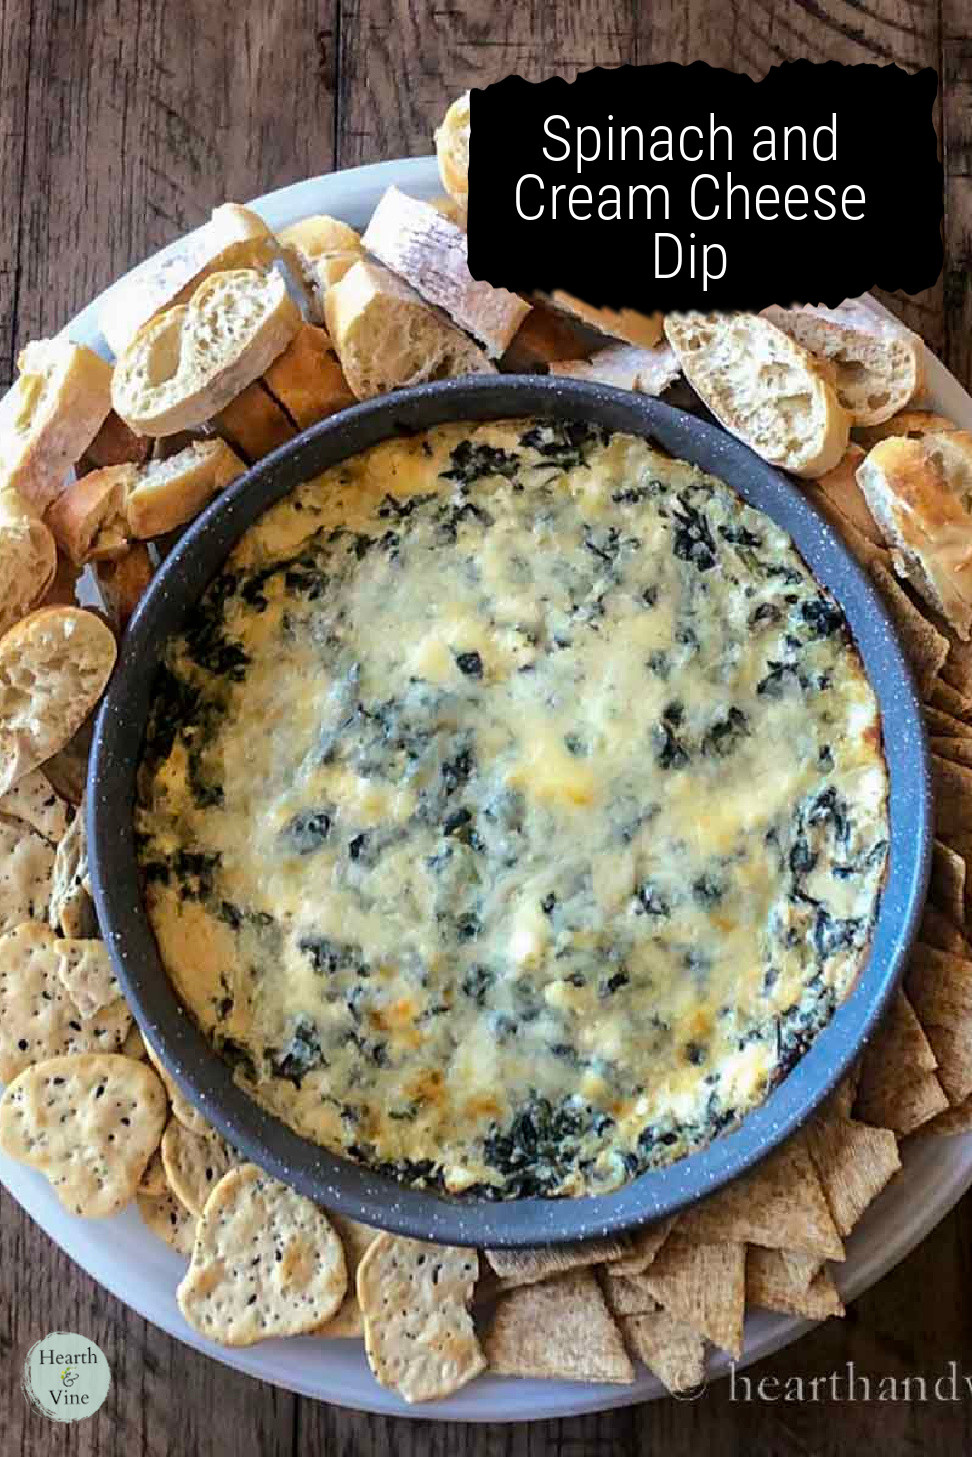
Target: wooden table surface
pixel 122 122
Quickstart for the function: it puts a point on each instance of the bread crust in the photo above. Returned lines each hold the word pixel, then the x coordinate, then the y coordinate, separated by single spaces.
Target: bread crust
pixel 95 501
pixel 254 424
pixel 50 416
pixel 452 150
pixel 166 494
pixel 307 380
pixel 28 559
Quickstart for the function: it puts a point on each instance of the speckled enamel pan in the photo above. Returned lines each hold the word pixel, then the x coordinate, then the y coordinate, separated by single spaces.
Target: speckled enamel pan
pixel 207 1081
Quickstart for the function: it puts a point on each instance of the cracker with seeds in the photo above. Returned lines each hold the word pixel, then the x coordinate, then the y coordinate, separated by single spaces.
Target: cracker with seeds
pixel 899 1087
pixel 561 1329
pixel 525 1267
pixel 266 1262
pixel 134 1045
pixel 88 976
pixel 71 909
pixel 26 871
pixel 940 989
pixel 854 1163
pixel 89 1123
pixel 357 1240
pixel 770 1284
pixel 672 1350
pixel 38 1019
pixel 188 1115
pixel 168 1218
pixel 419 1335
pixel 780 1205
pixel 33 801
pixel 703 1285
pixel 154 1182
pixel 194 1163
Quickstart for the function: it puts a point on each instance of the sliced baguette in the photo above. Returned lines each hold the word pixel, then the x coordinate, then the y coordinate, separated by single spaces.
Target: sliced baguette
pixel 190 362
pixel 430 252
pixel 542 339
pixel 89 507
pixel 50 417
pixel 328 271
pixel 165 494
pixel 911 497
pixel 763 387
pixel 307 380
pixel 875 376
pixel 626 367
pixel 628 325
pixel 387 338
pixel 122 581
pixel 234 237
pixel 310 245
pixel 114 444
pixel 254 424
pixel 53 669
pixel 28 559
pixel 911 423
pixel 452 150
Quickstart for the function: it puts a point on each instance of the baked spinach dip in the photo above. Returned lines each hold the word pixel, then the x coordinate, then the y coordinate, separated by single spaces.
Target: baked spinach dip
pixel 513 811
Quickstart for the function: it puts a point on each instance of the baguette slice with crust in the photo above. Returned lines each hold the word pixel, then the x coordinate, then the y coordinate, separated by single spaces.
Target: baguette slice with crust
pixel 122 581
pixel 628 325
pixel 874 375
pixel 430 252
pixel 190 362
pixel 626 367
pixel 90 508
pixel 234 237
pixel 253 423
pixel 916 496
pixel 310 245
pixel 307 379
pixel 114 444
pixel 165 494
pixel 387 338
pixel 28 559
pixel 544 338
pixel 452 150
pixel 53 669
pixel 50 417
pixel 763 387
pixel 912 423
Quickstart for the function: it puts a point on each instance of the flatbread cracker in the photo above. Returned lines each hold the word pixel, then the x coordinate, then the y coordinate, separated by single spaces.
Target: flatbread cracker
pixel 940 989
pixel 950 700
pixel 38 1019
pixel 266 1262
pixel 645 1244
pixel 33 801
pixel 72 910
pixel 194 1163
pixel 769 1284
pixel 946 888
pixel 854 1162
pixel 703 1285
pixel 953 797
pixel 672 1350
pixel 898 1087
pixel 943 725
pixel 781 1205
pixel 169 1219
pixel 939 931
pixel 419 1336
pixel 561 1329
pixel 357 1240
pixel 26 873
pixel 88 976
pixel 953 1120
pixel 89 1123
pixel 626 1294
pixel 925 647
pixel 956 749
pixel 524 1267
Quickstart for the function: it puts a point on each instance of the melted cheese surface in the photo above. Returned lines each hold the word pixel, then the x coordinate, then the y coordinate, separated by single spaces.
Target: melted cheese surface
pixel 513 812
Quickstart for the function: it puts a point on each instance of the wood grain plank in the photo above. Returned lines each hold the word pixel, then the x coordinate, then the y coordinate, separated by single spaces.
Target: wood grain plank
pixel 165 1399
pixel 956 74
pixel 15 38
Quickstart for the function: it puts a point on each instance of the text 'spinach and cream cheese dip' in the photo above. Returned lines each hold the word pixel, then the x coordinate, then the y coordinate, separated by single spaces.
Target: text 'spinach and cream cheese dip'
pixel 513 810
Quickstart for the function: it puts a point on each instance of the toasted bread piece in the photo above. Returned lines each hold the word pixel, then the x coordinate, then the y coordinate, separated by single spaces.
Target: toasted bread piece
pixel 190 362
pixel 764 387
pixel 123 580
pixel 628 325
pixel 89 507
pixel 914 496
pixel 307 380
pixel 309 245
pixel 28 559
pixel 50 416
pixel 253 423
pixel 875 376
pixel 53 669
pixel 387 338
pixel 626 367
pixel 165 494
pixel 114 444
pixel 234 237
pixel 910 423
pixel 452 150
pixel 542 339
pixel 430 252
pixel 328 271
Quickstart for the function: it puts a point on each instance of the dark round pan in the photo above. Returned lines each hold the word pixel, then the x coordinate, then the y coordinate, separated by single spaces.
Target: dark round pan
pixel 207 1081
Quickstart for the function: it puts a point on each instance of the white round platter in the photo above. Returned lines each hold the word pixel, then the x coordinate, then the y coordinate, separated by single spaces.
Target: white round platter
pixel 135 1266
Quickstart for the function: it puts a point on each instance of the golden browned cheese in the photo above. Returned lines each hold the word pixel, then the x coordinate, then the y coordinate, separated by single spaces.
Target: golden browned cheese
pixel 513 812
